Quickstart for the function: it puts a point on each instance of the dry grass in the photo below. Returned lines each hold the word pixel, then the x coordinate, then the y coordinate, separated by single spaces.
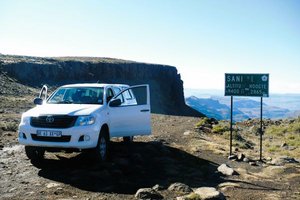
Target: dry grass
pixel 286 133
pixel 202 122
pixel 9 126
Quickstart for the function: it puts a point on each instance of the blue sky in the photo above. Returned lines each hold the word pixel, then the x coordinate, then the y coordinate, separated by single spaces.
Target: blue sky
pixel 203 39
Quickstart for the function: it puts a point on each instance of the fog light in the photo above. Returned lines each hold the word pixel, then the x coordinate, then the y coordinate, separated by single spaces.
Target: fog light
pixel 86 138
pixel 80 139
pixel 22 135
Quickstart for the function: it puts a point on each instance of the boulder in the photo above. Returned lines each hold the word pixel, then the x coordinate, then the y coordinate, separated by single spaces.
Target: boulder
pixel 180 187
pixel 225 170
pixel 240 157
pixel 157 187
pixel 52 185
pixel 268 159
pixel 186 133
pixel 191 196
pixel 209 193
pixel 232 157
pixel 284 145
pixel 148 193
pixel 282 160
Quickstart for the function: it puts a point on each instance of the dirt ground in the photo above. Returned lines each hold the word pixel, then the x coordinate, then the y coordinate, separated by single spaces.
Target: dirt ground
pixel 173 153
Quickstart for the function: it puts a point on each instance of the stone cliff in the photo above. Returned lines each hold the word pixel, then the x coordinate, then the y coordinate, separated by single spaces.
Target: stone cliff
pixel 165 83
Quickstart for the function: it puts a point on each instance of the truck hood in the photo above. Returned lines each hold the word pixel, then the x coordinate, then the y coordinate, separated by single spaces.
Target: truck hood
pixel 62 109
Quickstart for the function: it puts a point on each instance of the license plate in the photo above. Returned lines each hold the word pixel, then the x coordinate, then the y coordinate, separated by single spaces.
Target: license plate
pixel 46 133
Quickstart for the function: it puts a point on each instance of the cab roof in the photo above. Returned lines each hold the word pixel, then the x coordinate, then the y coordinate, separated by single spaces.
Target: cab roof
pixel 94 85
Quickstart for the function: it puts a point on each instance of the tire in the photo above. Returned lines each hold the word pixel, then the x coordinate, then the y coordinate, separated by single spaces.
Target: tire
pixel 128 139
pixel 101 151
pixel 34 153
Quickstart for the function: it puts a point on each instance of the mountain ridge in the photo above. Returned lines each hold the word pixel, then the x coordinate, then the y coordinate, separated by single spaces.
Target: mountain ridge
pixel 243 108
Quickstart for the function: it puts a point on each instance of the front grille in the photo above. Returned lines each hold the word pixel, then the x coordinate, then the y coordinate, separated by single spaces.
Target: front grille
pixel 64 138
pixel 53 121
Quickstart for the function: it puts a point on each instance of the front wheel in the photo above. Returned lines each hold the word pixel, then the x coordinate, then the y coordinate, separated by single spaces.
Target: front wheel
pixel 34 153
pixel 101 150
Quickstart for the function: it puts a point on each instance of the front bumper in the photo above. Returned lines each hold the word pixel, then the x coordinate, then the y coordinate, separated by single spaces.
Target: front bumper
pixel 70 137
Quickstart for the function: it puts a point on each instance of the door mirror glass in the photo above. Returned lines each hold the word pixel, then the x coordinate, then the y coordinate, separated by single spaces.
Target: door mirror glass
pixel 38 101
pixel 115 103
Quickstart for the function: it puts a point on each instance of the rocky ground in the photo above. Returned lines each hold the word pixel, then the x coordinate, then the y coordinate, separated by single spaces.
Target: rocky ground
pixel 178 161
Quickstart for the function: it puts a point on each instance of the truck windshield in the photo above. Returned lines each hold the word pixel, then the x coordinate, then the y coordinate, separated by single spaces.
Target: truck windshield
pixel 77 95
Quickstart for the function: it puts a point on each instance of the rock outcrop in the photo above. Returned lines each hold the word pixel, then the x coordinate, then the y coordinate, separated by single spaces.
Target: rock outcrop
pixel 148 193
pixel 225 170
pixel 165 83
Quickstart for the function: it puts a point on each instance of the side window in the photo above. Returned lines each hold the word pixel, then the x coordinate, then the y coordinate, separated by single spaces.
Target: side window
pixel 117 90
pixel 127 95
pixel 138 96
pixel 109 94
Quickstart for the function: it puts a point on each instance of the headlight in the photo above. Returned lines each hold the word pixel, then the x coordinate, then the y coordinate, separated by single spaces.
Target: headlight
pixel 85 120
pixel 25 120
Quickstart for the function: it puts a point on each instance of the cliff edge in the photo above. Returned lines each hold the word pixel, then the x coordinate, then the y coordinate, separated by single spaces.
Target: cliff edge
pixel 165 83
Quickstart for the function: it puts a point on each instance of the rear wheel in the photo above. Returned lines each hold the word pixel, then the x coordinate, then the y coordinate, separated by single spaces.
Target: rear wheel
pixel 34 153
pixel 101 150
pixel 128 139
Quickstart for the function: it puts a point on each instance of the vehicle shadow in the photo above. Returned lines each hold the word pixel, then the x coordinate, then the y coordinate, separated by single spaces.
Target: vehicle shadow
pixel 131 167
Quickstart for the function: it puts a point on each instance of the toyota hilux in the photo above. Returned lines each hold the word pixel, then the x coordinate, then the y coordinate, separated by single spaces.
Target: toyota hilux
pixel 85 116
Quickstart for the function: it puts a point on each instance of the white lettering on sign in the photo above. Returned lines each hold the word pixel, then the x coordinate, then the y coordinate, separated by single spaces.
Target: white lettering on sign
pixel 234 91
pixel 234 85
pixel 256 92
pixel 258 86
pixel 234 78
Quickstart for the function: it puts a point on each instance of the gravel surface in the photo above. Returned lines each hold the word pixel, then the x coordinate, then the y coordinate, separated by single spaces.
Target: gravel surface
pixel 174 153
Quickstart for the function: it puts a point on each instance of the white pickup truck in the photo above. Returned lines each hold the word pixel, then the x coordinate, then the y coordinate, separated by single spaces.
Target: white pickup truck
pixel 85 116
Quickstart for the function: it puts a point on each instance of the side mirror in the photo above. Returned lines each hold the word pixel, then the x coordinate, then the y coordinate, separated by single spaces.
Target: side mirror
pixel 44 88
pixel 115 103
pixel 38 101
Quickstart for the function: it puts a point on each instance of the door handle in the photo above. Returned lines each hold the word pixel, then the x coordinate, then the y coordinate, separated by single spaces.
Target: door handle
pixel 145 110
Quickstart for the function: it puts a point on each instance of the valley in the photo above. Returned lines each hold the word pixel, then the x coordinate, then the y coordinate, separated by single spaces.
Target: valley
pixel 244 108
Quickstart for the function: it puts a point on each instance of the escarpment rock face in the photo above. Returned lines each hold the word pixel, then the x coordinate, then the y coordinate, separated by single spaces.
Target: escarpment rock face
pixel 165 83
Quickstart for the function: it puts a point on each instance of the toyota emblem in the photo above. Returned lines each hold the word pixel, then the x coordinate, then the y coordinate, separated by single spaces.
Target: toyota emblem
pixel 49 119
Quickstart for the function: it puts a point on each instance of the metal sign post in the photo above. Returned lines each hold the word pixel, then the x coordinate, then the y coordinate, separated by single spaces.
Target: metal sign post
pixel 231 111
pixel 261 128
pixel 252 85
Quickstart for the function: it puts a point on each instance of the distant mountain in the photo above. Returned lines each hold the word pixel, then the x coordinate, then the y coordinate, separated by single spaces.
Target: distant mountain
pixel 288 101
pixel 209 107
pixel 243 108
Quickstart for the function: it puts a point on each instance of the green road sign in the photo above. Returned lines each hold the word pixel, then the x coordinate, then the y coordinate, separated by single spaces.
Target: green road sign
pixel 254 85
